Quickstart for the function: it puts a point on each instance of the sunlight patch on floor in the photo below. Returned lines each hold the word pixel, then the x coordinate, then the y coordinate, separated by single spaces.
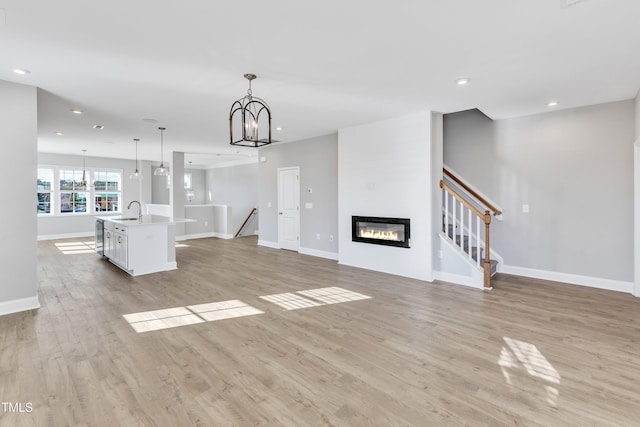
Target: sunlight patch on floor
pixel 520 354
pixel 180 316
pixel 313 298
pixel 291 301
pixel 333 295
pixel 74 248
pixel 224 310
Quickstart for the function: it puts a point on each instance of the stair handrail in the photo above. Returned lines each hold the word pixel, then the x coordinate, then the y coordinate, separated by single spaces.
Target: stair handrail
pixel 486 218
pixel 245 222
pixel 473 193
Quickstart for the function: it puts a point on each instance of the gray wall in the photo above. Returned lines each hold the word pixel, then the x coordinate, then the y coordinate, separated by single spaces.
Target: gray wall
pixel 573 167
pixel 637 106
pixel 199 186
pixel 78 224
pixel 237 187
pixel 318 162
pixel 160 193
pixel 18 242
pixel 178 196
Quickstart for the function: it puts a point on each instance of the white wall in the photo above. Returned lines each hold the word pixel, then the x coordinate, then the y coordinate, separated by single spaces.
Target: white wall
pixel 574 168
pixel 58 226
pixel 318 162
pixel 385 170
pixel 18 236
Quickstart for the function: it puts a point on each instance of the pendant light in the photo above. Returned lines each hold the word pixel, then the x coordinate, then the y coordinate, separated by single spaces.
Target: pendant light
pixel 161 171
pixel 83 182
pixel 247 111
pixel 136 174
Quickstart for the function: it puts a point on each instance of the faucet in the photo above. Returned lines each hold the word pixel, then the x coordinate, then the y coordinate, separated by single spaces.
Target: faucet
pixel 139 209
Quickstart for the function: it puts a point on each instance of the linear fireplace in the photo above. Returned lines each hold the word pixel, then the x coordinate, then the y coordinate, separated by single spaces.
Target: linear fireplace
pixel 381 231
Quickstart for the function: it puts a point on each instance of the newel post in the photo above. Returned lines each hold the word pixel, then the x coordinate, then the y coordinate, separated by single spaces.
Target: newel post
pixel 487 251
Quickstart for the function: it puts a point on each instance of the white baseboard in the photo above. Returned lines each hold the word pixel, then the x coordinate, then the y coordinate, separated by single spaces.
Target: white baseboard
pixel 457 279
pixel 223 235
pixel 199 236
pixel 17 305
pixel 268 244
pixel 318 253
pixel 573 279
pixel 66 236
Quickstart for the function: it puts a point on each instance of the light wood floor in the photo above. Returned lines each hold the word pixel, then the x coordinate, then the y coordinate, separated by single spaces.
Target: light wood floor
pixel 416 354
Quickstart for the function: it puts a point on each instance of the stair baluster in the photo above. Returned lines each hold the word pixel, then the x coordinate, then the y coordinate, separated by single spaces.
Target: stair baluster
pixel 457 226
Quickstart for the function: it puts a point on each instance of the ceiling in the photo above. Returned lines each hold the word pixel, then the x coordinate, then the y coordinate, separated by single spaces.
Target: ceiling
pixel 321 66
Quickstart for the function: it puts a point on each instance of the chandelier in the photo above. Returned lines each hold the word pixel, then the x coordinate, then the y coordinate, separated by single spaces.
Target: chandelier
pixel 246 112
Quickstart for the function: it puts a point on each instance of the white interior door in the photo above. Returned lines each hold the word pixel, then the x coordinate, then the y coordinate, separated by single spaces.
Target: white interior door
pixel 289 208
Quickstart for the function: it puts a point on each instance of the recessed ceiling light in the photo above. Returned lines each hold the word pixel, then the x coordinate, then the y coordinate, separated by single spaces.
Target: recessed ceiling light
pixel 279 128
pixel 59 133
pixel 76 111
pixel 552 104
pixel 462 81
pixel 99 127
pixel 150 120
pixel 21 71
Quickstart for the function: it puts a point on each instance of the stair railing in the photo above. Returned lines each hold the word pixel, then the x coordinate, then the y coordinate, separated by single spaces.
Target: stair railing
pixel 246 221
pixel 472 192
pixel 458 212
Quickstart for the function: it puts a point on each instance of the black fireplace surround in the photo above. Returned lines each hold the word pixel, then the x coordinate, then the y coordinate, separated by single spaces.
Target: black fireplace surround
pixel 381 231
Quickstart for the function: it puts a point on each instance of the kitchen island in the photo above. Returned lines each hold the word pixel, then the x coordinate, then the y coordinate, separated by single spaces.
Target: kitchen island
pixel 139 245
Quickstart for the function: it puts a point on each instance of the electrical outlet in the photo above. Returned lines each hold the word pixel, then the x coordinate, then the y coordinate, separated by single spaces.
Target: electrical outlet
pixel 318 236
pixel 440 254
pixel 206 223
pixel 525 208
pixel 331 238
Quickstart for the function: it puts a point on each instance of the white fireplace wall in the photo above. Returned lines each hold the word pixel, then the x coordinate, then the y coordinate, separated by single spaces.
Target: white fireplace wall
pixel 384 170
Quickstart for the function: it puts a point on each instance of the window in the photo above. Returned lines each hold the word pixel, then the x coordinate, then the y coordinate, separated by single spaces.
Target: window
pixel 187 181
pixel 69 191
pixel 45 188
pixel 108 191
pixel 73 190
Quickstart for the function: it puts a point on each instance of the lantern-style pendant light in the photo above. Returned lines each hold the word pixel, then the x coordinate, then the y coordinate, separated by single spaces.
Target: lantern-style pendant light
pixel 244 117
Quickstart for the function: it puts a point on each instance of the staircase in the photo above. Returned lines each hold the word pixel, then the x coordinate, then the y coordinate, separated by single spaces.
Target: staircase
pixel 466 224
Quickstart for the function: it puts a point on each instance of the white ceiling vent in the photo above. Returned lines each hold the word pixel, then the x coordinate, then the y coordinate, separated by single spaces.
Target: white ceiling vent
pixel 569 3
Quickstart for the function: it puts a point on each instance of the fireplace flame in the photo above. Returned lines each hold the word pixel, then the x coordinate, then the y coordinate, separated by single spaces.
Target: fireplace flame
pixel 378 234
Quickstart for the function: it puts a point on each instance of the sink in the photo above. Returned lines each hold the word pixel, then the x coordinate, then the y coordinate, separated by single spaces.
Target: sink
pixel 129 219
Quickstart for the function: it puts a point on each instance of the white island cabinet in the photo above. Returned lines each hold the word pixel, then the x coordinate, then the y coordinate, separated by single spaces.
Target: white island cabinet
pixel 140 246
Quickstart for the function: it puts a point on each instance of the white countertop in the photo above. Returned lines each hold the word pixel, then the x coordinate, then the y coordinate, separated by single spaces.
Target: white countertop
pixel 146 220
